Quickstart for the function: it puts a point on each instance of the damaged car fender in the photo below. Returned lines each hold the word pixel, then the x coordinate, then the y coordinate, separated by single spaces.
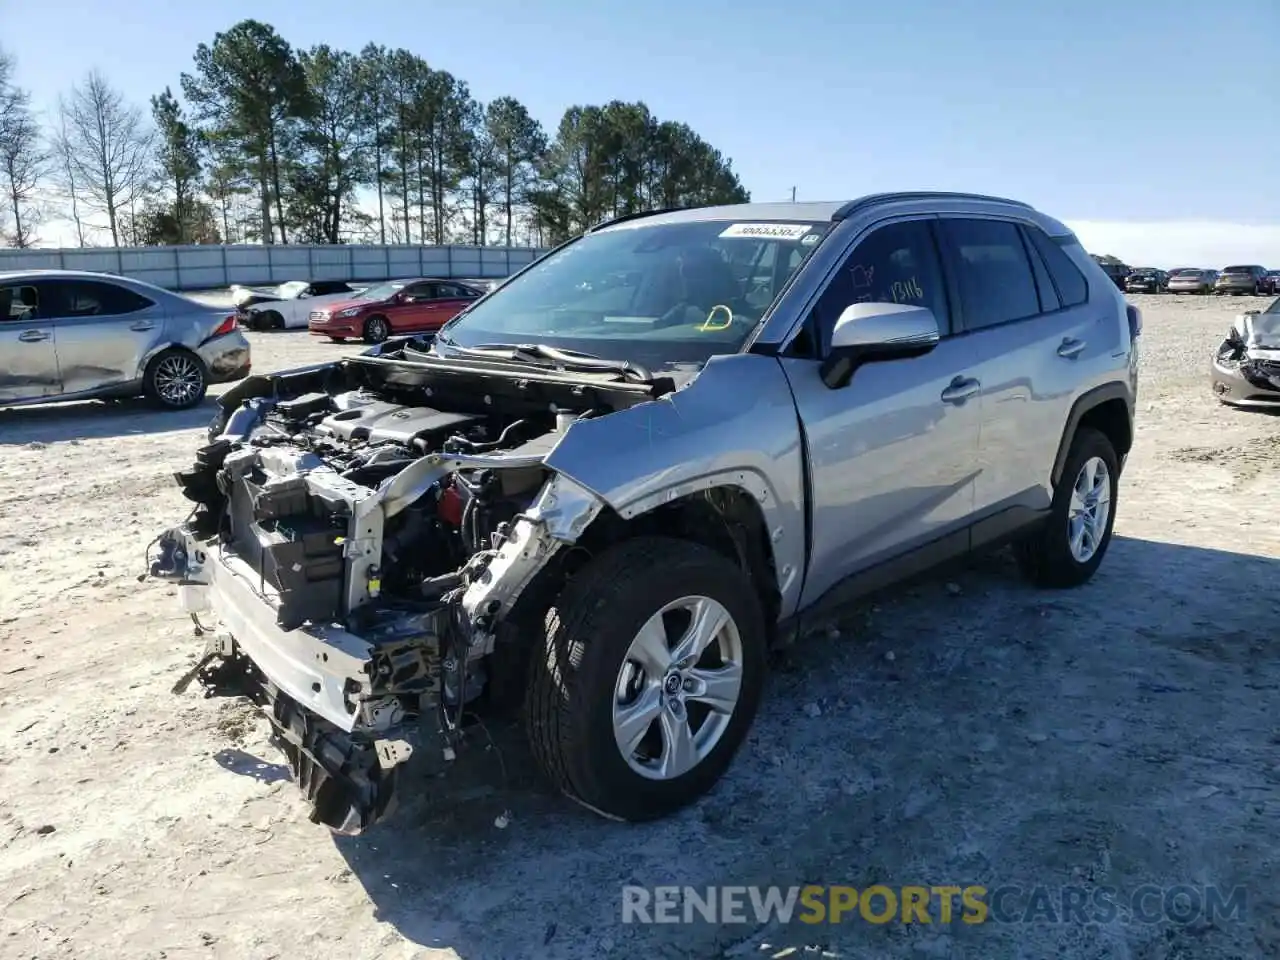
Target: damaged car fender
pixel 734 425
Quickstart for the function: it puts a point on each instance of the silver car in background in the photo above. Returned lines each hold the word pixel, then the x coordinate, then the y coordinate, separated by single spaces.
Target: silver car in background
pixel 1191 280
pixel 73 335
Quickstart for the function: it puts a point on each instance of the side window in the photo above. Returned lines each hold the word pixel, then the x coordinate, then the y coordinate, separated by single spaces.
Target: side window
pixel 90 298
pixel 1073 288
pixel 995 277
pixel 897 263
pixel 1049 301
pixel 19 303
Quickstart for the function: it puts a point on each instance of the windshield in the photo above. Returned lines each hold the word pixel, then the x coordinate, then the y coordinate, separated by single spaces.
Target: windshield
pixel 380 292
pixel 1187 273
pixel 1235 270
pixel 657 294
pixel 287 291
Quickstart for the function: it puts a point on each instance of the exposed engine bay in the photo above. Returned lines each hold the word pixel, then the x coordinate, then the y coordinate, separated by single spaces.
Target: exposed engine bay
pixel 361 531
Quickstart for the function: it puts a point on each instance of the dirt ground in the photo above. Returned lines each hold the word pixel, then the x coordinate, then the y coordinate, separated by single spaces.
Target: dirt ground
pixel 967 730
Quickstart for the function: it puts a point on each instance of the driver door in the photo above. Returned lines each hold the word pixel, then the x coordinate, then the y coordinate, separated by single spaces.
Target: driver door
pixel 893 454
pixel 28 355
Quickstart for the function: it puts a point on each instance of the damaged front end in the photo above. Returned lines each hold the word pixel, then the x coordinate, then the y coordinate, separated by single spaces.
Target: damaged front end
pixel 361 532
pixel 1246 366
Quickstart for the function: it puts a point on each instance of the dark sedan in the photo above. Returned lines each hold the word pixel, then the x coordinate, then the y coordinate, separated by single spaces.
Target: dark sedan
pixel 1146 280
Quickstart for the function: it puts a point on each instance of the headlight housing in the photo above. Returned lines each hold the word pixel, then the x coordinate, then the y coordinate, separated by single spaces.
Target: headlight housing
pixel 349 312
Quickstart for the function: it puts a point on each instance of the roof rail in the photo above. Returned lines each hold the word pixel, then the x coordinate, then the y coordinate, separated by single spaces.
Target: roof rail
pixel 632 216
pixel 872 199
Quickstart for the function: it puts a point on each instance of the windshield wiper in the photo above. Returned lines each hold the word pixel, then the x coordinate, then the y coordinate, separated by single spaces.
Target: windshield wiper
pixel 568 359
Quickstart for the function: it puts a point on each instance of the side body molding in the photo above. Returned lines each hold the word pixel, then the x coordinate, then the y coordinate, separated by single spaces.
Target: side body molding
pixel 733 425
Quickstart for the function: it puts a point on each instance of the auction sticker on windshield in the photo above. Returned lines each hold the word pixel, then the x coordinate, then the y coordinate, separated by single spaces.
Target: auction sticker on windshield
pixel 770 231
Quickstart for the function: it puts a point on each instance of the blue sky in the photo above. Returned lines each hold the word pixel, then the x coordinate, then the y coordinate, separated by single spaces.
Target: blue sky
pixel 1112 116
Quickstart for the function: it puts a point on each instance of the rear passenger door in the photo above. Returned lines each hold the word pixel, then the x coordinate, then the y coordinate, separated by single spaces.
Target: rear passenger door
pixel 104 332
pixel 1024 309
pixel 451 298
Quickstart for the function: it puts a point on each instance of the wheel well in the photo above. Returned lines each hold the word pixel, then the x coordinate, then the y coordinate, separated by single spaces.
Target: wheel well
pixel 1111 417
pixel 725 518
pixel 169 348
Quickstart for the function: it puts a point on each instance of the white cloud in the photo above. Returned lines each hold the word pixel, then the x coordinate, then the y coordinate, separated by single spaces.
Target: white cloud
pixel 1182 243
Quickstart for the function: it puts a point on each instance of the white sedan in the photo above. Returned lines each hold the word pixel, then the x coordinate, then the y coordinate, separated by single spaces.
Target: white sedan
pixel 287 306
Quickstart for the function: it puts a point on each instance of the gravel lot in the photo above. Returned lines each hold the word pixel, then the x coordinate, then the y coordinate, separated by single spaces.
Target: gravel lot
pixel 968 730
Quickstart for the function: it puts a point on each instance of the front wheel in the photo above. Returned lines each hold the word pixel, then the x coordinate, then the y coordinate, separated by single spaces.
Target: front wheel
pixel 1071 545
pixel 376 330
pixel 649 677
pixel 175 379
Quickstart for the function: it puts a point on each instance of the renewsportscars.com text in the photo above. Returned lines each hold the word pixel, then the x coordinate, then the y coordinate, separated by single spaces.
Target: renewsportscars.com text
pixel 972 904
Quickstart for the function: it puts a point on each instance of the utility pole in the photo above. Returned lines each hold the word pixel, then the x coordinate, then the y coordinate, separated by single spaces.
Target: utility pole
pixel 793 194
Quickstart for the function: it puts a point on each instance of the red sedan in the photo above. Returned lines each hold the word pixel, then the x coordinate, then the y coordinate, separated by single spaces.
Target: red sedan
pixel 389 309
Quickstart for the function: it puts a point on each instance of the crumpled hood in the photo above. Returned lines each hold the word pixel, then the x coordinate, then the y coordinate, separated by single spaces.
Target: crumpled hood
pixel 1260 330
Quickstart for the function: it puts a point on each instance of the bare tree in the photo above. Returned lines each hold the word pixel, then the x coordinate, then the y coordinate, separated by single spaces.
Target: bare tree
pixel 65 171
pixel 23 157
pixel 109 150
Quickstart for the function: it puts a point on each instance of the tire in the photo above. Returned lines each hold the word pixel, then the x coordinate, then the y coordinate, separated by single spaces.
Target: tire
pixel 175 379
pixel 1046 558
pixel 376 329
pixel 574 678
pixel 270 321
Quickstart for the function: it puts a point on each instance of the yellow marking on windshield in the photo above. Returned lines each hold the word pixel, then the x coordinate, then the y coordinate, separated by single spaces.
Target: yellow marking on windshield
pixel 706 326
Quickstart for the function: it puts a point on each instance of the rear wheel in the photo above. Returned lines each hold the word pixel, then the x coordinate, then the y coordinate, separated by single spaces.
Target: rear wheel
pixel 175 379
pixel 376 329
pixel 1069 548
pixel 270 321
pixel 649 677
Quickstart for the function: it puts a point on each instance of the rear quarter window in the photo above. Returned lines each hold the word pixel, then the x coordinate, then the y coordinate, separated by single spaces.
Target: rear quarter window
pixel 1072 287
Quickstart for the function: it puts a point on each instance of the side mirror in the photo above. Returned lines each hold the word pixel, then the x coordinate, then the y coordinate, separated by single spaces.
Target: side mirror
pixel 867 332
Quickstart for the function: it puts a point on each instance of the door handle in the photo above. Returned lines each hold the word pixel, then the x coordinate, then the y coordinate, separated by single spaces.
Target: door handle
pixel 33 336
pixel 1070 348
pixel 960 390
pixel 141 325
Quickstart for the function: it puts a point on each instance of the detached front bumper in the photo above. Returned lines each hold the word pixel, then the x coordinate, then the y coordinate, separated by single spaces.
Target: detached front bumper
pixel 315 684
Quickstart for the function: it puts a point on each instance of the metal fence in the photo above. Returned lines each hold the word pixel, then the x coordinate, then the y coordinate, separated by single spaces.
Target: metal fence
pixel 211 267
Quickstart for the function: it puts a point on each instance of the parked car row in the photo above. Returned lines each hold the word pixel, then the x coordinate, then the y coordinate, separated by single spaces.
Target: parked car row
pixel 1237 280
pixel 345 311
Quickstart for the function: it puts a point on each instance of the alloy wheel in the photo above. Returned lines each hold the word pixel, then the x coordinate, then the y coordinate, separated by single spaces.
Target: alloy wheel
pixel 1090 509
pixel 678 687
pixel 178 380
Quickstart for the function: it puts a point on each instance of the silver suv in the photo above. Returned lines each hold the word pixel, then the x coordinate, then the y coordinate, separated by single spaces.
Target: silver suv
pixel 605 489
